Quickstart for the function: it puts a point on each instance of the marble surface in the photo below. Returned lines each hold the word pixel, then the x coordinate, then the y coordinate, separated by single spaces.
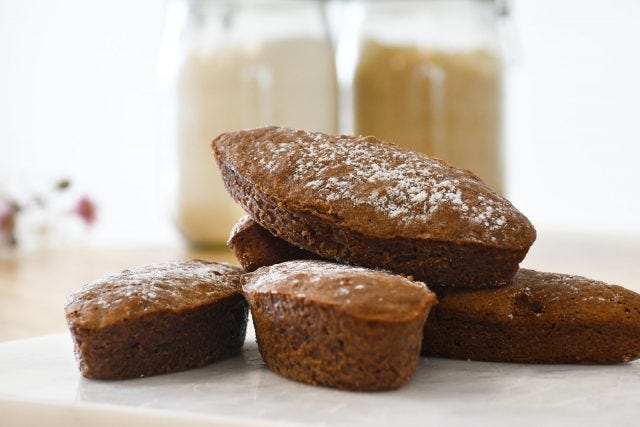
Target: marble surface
pixel 40 385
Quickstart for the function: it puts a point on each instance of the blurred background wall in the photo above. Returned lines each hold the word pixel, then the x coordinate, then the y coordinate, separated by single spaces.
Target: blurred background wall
pixel 78 99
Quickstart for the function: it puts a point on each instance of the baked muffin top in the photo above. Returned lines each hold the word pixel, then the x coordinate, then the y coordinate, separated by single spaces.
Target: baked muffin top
pixel 373 187
pixel 545 295
pixel 363 293
pixel 170 286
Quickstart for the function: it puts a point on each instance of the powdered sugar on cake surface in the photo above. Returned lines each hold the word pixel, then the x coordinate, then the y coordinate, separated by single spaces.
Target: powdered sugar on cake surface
pixel 311 271
pixel 165 286
pixel 342 285
pixel 303 273
pixel 405 186
pixel 557 286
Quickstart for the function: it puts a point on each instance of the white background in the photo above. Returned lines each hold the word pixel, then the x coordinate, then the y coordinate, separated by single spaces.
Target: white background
pixel 78 99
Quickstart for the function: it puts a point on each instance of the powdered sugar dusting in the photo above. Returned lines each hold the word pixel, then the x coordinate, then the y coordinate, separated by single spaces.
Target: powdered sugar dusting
pixel 314 271
pixel 362 292
pixel 240 225
pixel 168 286
pixel 407 187
pixel 568 289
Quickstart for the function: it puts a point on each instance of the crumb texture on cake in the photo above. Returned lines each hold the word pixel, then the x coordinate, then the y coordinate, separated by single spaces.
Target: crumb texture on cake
pixel 157 319
pixel 538 318
pixel 339 326
pixel 172 286
pixel 255 247
pixel 374 188
pixel 361 292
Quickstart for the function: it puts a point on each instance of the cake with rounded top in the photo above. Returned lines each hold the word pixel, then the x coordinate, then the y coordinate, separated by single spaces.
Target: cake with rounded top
pixel 366 202
pixel 157 318
pixel 538 318
pixel 346 327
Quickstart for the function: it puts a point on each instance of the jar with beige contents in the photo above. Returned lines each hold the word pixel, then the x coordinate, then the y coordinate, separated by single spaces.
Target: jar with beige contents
pixel 429 77
pixel 235 64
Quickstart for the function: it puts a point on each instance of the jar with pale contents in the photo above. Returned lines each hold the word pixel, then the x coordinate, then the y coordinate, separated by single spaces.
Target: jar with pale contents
pixel 429 77
pixel 229 65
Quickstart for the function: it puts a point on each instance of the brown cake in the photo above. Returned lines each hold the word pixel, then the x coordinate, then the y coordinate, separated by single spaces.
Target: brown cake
pixel 362 201
pixel 338 326
pixel 538 318
pixel 255 247
pixel 157 319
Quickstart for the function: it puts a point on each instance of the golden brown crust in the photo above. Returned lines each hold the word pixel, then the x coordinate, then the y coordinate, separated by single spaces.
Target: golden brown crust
pixel 373 188
pixel 157 319
pixel 144 290
pixel 339 326
pixel 382 207
pixel 475 266
pixel 538 318
pixel 359 292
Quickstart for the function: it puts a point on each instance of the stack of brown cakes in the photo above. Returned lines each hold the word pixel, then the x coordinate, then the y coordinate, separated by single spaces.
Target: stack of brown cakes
pixel 358 257
pixel 364 202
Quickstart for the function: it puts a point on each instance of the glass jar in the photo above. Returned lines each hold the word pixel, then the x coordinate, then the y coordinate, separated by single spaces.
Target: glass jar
pixel 229 65
pixel 429 77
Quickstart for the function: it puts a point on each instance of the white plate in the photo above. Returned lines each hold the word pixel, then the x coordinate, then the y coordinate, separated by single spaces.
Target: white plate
pixel 40 385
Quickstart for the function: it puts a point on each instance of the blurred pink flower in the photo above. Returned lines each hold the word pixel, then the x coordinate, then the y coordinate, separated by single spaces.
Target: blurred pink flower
pixel 86 210
pixel 8 211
